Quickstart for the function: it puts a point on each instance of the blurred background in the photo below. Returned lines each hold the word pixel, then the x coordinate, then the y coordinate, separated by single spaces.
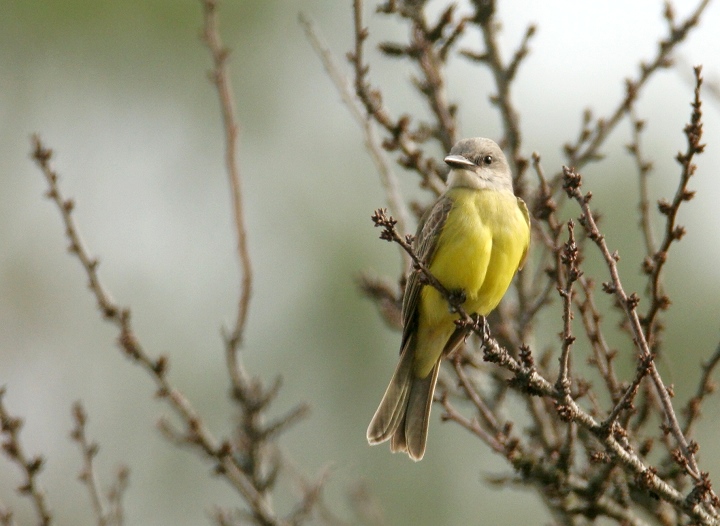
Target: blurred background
pixel 120 91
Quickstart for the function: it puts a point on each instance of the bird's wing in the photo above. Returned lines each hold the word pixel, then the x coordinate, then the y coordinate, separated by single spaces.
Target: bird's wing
pixel 526 214
pixel 425 245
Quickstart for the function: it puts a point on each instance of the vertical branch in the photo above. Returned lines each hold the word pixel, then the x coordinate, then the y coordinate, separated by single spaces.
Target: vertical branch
pixel 400 137
pixel 673 232
pixel 220 78
pixel 644 167
pixel 705 387
pixel 30 466
pixel 569 259
pixel 629 303
pixel 503 75
pixel 88 476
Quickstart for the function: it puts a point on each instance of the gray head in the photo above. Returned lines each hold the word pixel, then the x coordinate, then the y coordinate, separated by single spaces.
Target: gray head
pixel 478 163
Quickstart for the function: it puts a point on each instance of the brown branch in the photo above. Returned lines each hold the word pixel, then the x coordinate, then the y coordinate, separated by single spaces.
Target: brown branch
pixel 472 425
pixel 6 516
pixel 570 260
pixel 196 433
pixel 587 147
pixel 673 232
pixel 115 496
pixel 221 79
pixel 87 475
pixel 644 167
pixel 629 303
pixel 503 75
pixel 30 467
pixel 705 387
pixel 400 138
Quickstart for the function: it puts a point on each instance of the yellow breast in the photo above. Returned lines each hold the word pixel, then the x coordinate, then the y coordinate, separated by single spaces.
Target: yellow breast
pixel 479 250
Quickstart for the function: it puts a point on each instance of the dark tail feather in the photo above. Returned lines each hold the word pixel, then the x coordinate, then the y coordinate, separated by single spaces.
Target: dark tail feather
pixel 391 411
pixel 417 414
pixel 404 412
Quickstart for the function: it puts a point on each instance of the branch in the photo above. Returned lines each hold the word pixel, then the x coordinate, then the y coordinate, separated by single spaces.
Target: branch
pixel 705 387
pixel 87 474
pixel 10 427
pixel 221 79
pixel 400 136
pixel 629 303
pixel 587 147
pixel 389 182
pixel 673 232
pixel 197 435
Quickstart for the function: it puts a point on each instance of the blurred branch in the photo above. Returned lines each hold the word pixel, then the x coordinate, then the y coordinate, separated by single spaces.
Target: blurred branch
pixel 6 516
pixel 705 387
pixel 30 467
pixel 107 512
pixel 196 434
pixel 221 79
pixel 342 85
pixel 503 74
pixel 400 138
pixel 87 475
pixel 644 167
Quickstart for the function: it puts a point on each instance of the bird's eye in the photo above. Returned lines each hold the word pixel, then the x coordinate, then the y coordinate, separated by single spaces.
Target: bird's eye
pixel 487 159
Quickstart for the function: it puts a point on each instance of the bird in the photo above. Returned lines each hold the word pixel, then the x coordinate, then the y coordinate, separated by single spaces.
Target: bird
pixel 473 240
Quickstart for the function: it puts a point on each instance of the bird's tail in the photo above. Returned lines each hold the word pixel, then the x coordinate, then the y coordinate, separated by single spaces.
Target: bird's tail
pixel 404 412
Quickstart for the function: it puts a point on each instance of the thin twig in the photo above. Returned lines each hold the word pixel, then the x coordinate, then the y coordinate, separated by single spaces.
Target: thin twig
pixel 10 427
pixel 388 180
pixel 221 79
pixel 587 147
pixel 644 167
pixel 705 387
pixel 629 303
pixel 88 476
pixel 196 434
pixel 673 232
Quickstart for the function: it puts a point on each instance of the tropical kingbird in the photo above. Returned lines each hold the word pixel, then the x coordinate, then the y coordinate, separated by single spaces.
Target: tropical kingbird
pixel 473 240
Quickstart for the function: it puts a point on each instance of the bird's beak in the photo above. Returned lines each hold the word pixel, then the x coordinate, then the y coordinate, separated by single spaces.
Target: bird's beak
pixel 458 161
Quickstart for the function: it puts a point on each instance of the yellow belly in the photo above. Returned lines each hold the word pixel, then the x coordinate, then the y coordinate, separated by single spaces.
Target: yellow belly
pixel 480 248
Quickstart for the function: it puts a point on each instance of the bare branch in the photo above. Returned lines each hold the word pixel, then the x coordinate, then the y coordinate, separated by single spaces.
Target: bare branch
pixel 221 79
pixel 587 147
pixel 87 475
pixel 389 182
pixel 197 435
pixel 30 467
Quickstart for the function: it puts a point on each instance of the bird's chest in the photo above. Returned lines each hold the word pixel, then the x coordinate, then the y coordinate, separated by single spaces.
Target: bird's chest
pixel 477 231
